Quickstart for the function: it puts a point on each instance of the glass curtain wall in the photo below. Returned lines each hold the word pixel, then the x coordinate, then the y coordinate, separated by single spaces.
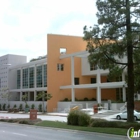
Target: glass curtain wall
pixel 31 77
pixel 18 79
pixel 25 78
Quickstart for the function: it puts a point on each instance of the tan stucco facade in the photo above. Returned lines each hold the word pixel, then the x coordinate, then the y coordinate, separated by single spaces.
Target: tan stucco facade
pixel 56 78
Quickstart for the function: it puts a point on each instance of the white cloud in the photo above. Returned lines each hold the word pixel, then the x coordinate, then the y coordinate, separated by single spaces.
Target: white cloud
pixel 25 23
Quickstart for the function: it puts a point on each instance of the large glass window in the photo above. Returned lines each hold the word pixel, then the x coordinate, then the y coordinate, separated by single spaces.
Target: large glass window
pixel 31 77
pixel 25 78
pixel 39 76
pixel 45 75
pixel 18 79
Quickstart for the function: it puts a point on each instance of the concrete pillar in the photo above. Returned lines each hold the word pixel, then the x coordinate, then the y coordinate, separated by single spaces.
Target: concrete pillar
pixel 72 79
pixel 98 76
pixel 21 96
pixel 98 92
pixel 98 95
pixel 73 94
pixel 35 95
pixel 124 89
pixel 42 75
pixel 28 96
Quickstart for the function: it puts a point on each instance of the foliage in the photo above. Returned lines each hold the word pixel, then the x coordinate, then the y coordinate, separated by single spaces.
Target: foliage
pixel 40 107
pixel 44 96
pixel 32 106
pixel 86 99
pixel 39 58
pixel 20 107
pixel 15 106
pixel 26 106
pixel 115 37
pixel 4 106
pixel 25 98
pixel 5 94
pixel 112 124
pixel 78 118
pixel 8 106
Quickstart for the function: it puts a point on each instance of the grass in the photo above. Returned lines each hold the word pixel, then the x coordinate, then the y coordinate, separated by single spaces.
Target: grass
pixel 116 131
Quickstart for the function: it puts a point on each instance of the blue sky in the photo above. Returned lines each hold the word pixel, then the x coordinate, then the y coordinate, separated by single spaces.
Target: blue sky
pixel 24 24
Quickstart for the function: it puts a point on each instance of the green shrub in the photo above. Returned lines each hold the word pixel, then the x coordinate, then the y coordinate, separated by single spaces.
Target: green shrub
pixel 78 118
pixel 72 118
pixel 20 107
pixel 32 106
pixel 4 106
pixel 112 124
pixel 8 106
pixel 86 99
pixel 15 106
pixel 83 119
pixel 40 107
pixel 26 106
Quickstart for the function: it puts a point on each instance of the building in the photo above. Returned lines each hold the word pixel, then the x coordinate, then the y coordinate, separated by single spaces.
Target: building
pixel 20 77
pixel 65 73
pixel 71 77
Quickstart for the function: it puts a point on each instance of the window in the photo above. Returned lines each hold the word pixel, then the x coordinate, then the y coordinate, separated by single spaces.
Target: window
pixel 39 76
pixel 25 78
pixel 60 67
pixel 62 50
pixel 76 81
pixel 18 79
pixel 45 75
pixel 93 80
pixel 91 67
pixel 31 77
pixel 95 67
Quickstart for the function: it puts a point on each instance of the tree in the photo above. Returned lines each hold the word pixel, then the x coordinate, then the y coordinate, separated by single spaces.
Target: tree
pixel 43 96
pixel 5 94
pixel 25 99
pixel 115 37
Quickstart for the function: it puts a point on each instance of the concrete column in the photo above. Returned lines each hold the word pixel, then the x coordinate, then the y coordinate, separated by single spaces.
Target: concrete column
pixel 42 75
pixel 73 94
pixel 72 79
pixel 28 95
pixel 98 91
pixel 98 76
pixel 98 95
pixel 21 80
pixel 35 95
pixel 20 96
pixel 35 76
pixel 124 89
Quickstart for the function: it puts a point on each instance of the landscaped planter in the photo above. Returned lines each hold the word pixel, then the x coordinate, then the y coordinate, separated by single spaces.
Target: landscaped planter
pixel 27 110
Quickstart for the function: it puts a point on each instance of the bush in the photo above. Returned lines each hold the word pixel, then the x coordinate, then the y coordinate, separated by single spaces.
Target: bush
pixel 78 118
pixel 15 106
pixel 83 119
pixel 86 99
pixel 32 106
pixel 113 124
pixel 20 107
pixel 72 118
pixel 4 106
pixel 40 107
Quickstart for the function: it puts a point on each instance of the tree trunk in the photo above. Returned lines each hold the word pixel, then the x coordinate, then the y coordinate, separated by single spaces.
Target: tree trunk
pixel 130 70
